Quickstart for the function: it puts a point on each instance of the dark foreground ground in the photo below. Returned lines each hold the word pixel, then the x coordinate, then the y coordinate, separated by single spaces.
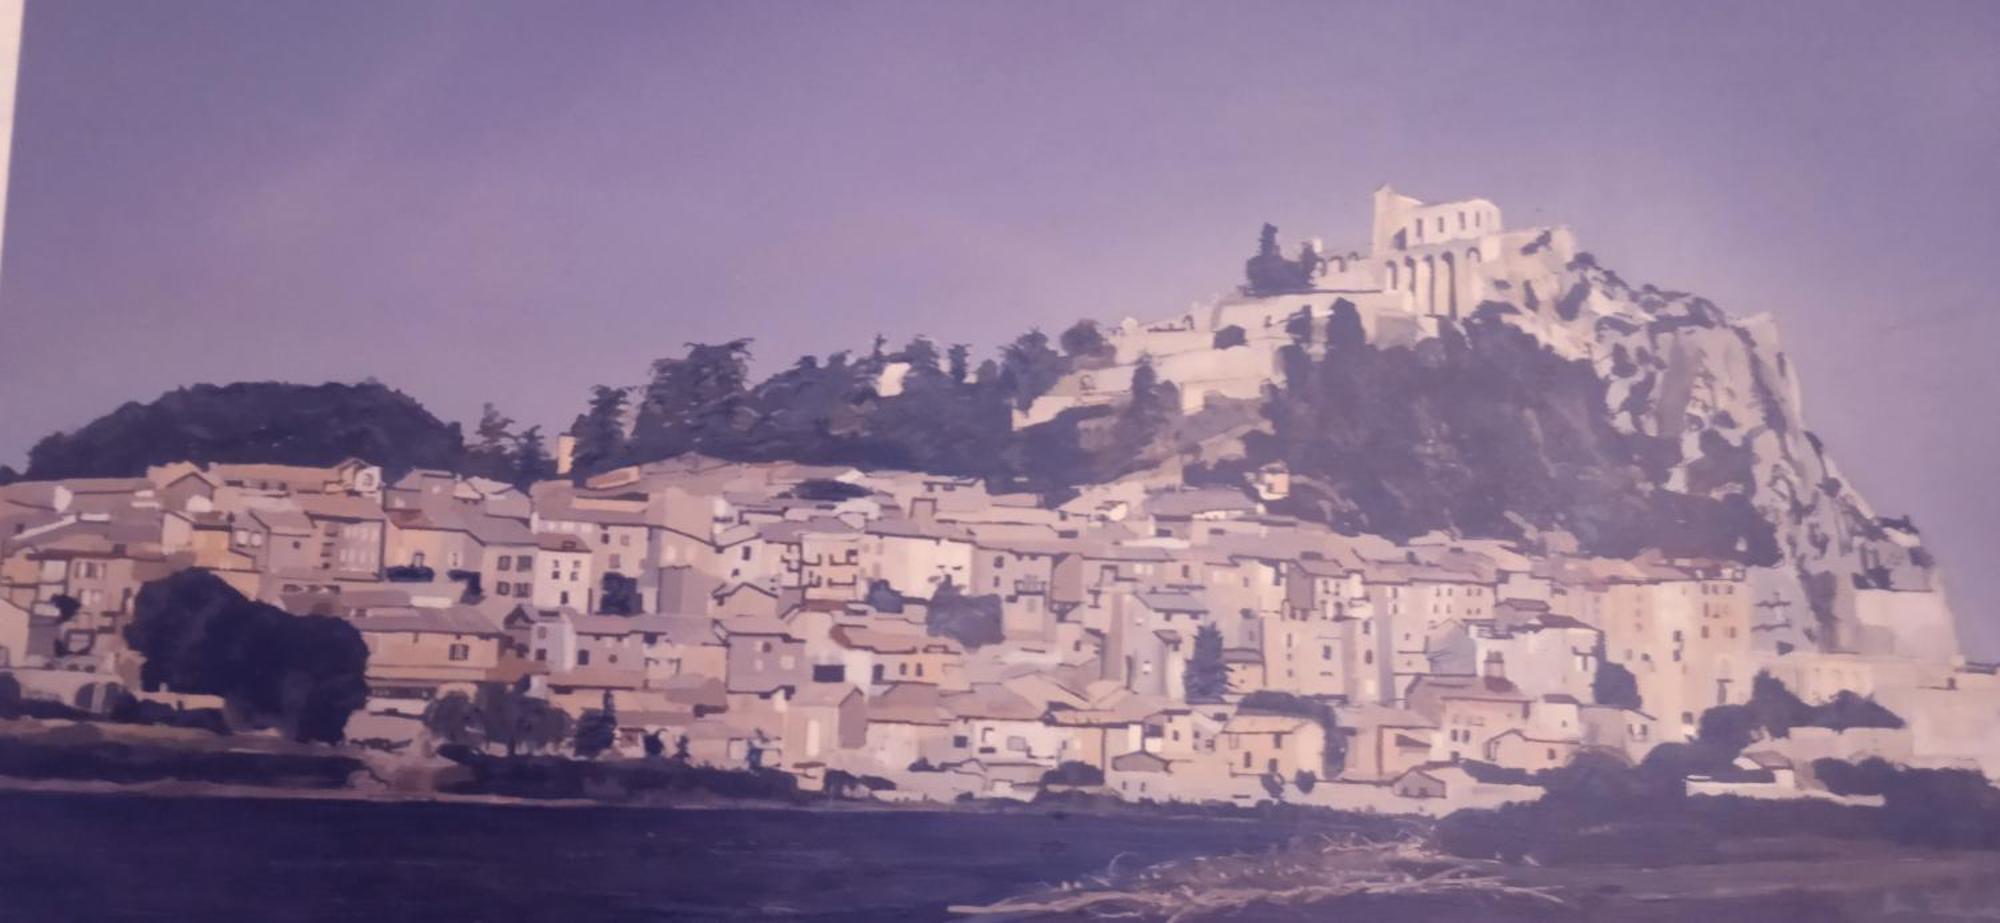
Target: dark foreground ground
pixel 106 857
pixel 103 857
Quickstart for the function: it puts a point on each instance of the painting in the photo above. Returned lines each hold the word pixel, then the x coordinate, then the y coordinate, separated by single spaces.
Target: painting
pixel 998 461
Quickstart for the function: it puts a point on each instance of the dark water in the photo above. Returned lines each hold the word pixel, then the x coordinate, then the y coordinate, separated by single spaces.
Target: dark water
pixel 117 857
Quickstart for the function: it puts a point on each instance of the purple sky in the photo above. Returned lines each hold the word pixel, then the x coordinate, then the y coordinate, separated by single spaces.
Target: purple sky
pixel 511 201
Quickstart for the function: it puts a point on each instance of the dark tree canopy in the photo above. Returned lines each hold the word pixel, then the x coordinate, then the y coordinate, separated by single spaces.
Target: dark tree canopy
pixel 618 594
pixel 973 621
pixel 1207 677
pixel 268 422
pixel 597 730
pixel 1085 340
pixel 497 714
pixel 303 674
pixel 1270 273
pixel 600 432
pixel 1480 430
pixel 1615 686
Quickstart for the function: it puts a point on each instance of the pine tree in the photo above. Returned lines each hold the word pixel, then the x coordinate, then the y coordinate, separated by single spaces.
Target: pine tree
pixel 1207 678
pixel 600 432
pixel 531 461
pixel 597 730
pixel 958 358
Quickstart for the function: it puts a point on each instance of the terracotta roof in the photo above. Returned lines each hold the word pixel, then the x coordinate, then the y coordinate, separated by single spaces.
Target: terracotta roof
pixel 459 620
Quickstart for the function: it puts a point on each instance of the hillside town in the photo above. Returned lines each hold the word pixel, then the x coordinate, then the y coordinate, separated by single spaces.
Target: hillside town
pixel 1154 643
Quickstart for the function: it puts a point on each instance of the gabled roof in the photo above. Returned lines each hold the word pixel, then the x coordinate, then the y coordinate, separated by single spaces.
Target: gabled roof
pixel 1141 761
pixel 558 541
pixel 824 694
pixel 993 702
pixel 1179 603
pixel 908 703
pixel 1181 504
pixel 1264 724
pixel 457 620
pixel 339 506
pixel 676 629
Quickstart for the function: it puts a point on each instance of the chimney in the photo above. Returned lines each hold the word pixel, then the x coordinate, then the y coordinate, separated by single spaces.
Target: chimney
pixel 1495 666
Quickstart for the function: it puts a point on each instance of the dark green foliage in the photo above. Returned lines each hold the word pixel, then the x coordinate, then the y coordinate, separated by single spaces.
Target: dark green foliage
pixel 1615 686
pixel 1207 678
pixel 1471 430
pixel 1775 710
pixel 126 708
pixel 1304 780
pixel 498 714
pixel 1083 340
pixel 531 458
pixel 452 719
pixel 1848 710
pixel 820 489
pixel 491 453
pixel 497 451
pixel 303 674
pixel 883 598
pixel 84 758
pixel 973 621
pixel 655 747
pixel 613 780
pixel 1270 273
pixel 254 422
pixel 696 403
pixel 1265 701
pixel 957 362
pixel 1029 368
pixel 1071 772
pixel 597 730
pixel 600 433
pixel 618 594
pixel 1147 417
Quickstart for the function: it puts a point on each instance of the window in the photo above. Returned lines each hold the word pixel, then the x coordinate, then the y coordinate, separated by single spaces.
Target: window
pixel 829 673
pixel 522 562
pixel 459 652
pixel 961 741
pixel 542 653
pixel 506 562
pixel 504 588
pixel 583 658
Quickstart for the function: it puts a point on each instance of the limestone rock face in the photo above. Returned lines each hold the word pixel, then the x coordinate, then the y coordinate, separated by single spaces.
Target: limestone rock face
pixel 1716 400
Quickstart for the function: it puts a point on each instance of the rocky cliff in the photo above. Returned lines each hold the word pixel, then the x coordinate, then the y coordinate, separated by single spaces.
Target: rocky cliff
pixel 1712 407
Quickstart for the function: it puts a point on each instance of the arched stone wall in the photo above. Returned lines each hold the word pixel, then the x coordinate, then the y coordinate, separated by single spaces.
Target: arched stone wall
pixel 1450 266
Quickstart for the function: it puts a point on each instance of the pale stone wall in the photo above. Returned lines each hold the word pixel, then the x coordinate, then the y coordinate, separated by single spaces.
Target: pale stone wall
pixel 1906 623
